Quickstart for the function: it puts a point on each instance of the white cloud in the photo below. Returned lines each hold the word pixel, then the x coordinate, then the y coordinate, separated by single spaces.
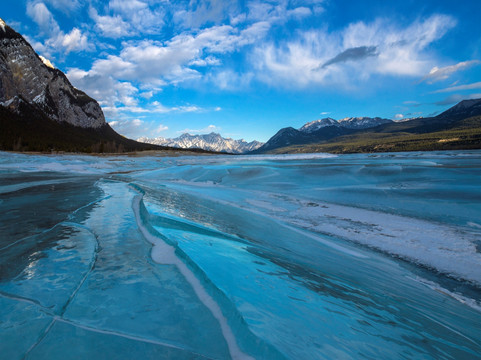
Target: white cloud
pixel 395 51
pixel 104 88
pixel 131 128
pixel 110 26
pixel 472 86
pixel 438 74
pixel 399 116
pixel 281 11
pixel 74 41
pixel 147 94
pixel 201 12
pixel 57 41
pixel 64 5
pixel 153 64
pixel 142 16
pixel 39 13
pixel 230 80
pixel 208 61
pixel 299 12
pixel 137 122
pixel 161 128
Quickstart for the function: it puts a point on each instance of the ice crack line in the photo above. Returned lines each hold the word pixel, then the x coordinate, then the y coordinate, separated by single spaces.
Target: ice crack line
pixel 126 336
pixel 164 253
pixel 39 340
pixel 89 271
pixel 27 301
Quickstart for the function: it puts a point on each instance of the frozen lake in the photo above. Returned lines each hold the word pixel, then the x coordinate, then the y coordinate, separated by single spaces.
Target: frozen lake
pixel 311 256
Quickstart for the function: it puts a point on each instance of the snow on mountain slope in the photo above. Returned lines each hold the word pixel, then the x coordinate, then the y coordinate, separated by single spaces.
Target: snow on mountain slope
pixel 349 123
pixel 318 124
pixel 211 142
pixel 362 122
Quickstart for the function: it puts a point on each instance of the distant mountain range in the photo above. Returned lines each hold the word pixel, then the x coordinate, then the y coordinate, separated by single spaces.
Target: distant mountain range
pixel 457 128
pixel 348 123
pixel 211 142
pixel 320 130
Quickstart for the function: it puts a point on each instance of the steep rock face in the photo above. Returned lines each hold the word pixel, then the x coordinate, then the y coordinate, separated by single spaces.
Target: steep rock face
pixel 24 76
pixel 211 142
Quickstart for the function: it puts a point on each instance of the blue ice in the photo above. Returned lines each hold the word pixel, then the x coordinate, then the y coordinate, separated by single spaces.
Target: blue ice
pixel 310 256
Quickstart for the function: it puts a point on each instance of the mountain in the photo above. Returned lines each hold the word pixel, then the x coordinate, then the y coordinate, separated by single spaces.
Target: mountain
pixel 318 124
pixel 464 109
pixel 363 122
pixel 349 123
pixel 319 130
pixel 211 142
pixel 41 111
pixel 290 136
pixel 457 128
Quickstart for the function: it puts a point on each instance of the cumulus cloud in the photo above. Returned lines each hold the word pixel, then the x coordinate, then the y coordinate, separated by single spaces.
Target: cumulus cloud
pixel 57 41
pixel 73 41
pixel 438 74
pixel 110 26
pixel 154 64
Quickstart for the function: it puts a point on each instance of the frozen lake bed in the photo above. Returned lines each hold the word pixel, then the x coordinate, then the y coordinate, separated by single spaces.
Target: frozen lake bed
pixel 299 256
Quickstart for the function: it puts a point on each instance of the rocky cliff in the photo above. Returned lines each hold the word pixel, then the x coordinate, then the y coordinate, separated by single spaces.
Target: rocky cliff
pixel 25 77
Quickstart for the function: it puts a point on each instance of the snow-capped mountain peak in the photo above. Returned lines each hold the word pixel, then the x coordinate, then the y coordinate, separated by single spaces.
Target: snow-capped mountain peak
pixel 362 122
pixel 318 124
pixel 211 142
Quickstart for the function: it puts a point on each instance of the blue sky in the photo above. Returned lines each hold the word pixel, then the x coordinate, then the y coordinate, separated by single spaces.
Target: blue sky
pixel 246 69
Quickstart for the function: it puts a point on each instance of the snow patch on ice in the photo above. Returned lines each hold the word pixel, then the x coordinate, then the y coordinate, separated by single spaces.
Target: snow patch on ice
pixel 435 245
pixel 462 299
pixel 473 224
pixel 286 157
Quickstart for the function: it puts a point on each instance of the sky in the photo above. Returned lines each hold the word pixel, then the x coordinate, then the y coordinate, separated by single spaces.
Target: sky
pixel 246 69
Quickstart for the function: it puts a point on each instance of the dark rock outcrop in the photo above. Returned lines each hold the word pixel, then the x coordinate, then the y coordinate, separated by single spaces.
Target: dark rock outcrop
pixel 24 76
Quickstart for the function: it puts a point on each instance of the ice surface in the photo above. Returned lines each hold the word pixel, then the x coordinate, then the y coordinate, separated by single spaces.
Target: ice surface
pixel 302 257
